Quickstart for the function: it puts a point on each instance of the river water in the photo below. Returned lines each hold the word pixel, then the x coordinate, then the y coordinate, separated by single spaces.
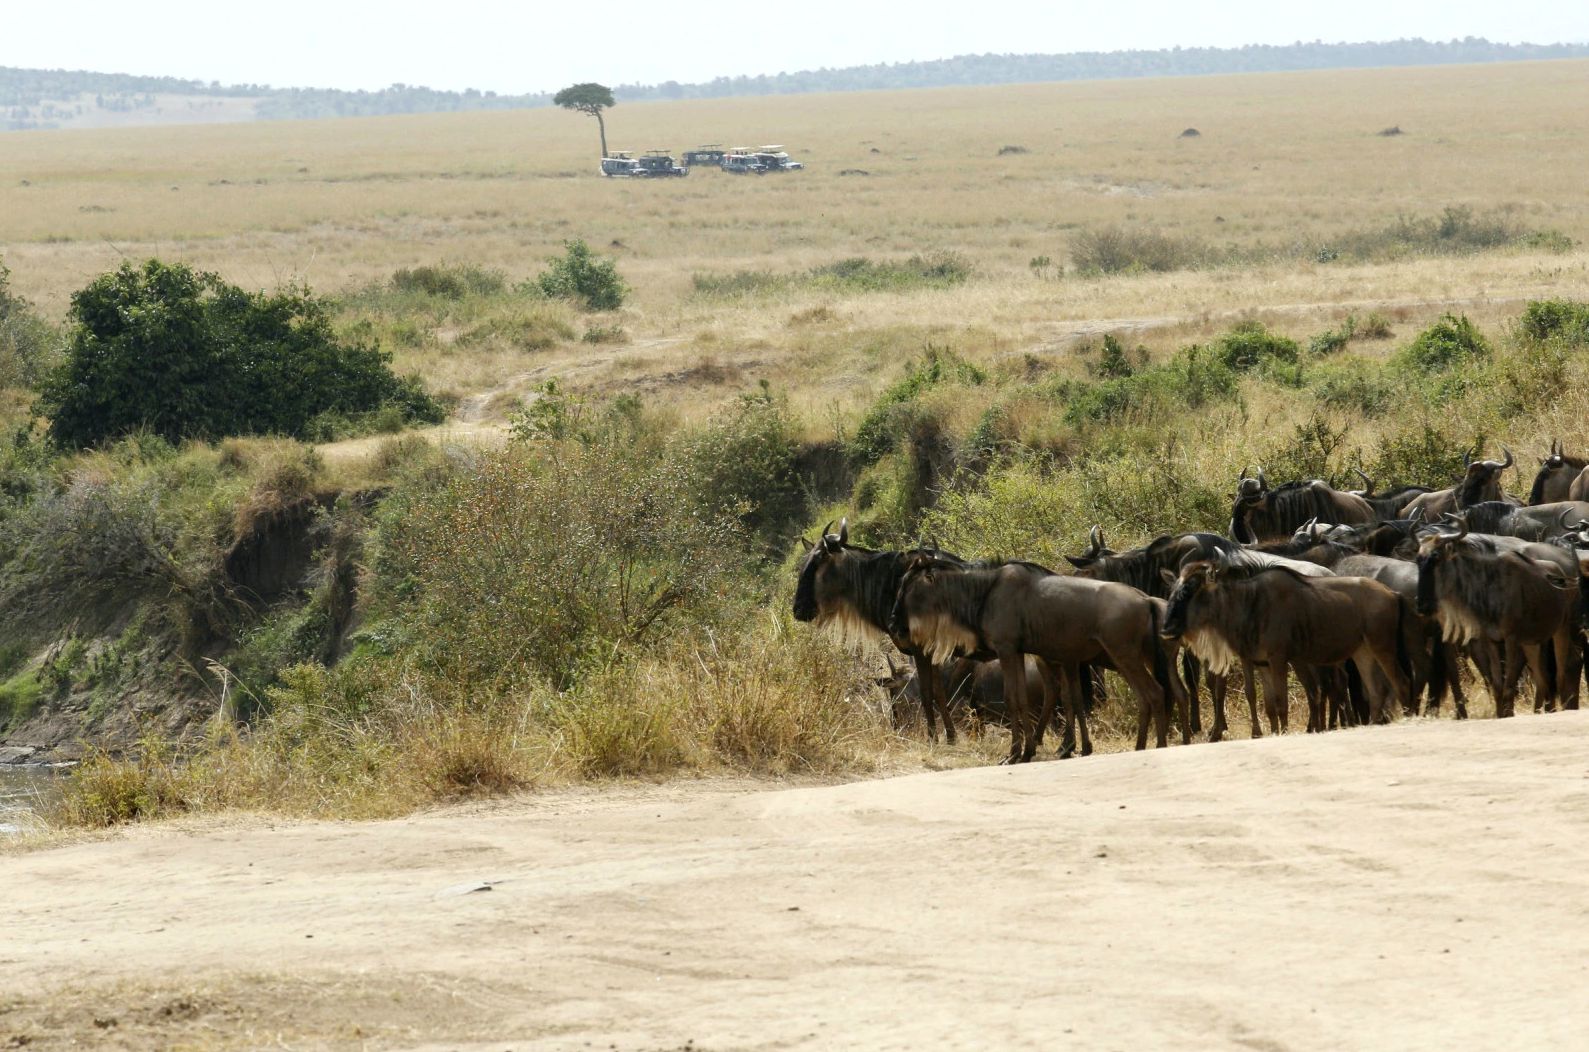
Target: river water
pixel 23 789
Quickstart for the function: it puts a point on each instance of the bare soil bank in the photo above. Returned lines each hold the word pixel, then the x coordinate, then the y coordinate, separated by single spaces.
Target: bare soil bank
pixel 1416 886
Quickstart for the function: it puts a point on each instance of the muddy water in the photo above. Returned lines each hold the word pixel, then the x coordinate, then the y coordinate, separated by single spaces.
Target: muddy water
pixel 24 788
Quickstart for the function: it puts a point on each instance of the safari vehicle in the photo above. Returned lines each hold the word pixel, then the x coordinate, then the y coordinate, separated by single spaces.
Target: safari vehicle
pixel 742 160
pixel 776 160
pixel 619 164
pixel 658 164
pixel 710 153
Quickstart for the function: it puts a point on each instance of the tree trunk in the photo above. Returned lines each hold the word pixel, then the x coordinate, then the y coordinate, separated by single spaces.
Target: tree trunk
pixel 601 124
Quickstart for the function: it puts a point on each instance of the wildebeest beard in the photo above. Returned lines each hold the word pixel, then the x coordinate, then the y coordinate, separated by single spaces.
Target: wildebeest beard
pixel 868 583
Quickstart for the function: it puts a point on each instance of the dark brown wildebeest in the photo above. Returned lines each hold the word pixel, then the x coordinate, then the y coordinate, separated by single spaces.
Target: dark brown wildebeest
pixel 1386 505
pixel 1481 588
pixel 1142 569
pixel 1539 522
pixel 974 686
pixel 1231 609
pixel 852 589
pixel 1557 474
pixel 1017 609
pixel 1481 481
pixel 1264 514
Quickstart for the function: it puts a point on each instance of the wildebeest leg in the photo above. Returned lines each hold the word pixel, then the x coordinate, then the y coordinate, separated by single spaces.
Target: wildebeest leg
pixel 1570 643
pixel 1151 703
pixel 1275 701
pixel 1309 677
pixel 1510 667
pixel 927 681
pixel 1382 652
pixel 1544 668
pixel 1191 672
pixel 1185 706
pixel 1080 709
pixel 1050 681
pixel 1217 686
pixel 1067 741
pixel 1250 682
pixel 1013 663
pixel 1459 700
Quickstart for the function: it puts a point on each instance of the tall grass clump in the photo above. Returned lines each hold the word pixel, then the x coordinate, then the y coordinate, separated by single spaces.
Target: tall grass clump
pixel 1458 230
pixel 451 281
pixel 857 274
pixel 1125 250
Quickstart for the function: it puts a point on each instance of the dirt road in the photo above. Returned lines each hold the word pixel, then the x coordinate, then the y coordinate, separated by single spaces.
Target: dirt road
pixel 1423 886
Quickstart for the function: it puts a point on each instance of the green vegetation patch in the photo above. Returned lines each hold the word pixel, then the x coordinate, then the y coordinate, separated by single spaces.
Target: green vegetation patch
pixel 936 270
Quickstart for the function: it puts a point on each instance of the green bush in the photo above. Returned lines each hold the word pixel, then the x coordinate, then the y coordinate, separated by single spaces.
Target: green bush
pixel 1451 343
pixel 27 346
pixel 1352 385
pixel 1566 320
pixel 744 461
pixel 1195 377
pixel 181 354
pixel 1423 454
pixel 935 270
pixel 584 278
pixel 887 420
pixel 545 560
pixel 1250 345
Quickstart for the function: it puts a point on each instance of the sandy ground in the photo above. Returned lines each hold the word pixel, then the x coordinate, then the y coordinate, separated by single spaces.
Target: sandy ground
pixel 1413 887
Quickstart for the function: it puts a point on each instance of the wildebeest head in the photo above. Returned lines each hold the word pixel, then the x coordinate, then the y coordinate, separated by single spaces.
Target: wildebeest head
pixel 1096 549
pixel 1194 578
pixel 1481 481
pixel 1435 547
pixel 1553 482
pixel 817 595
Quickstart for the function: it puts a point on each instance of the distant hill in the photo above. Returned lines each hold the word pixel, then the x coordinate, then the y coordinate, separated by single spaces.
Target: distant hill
pixel 31 98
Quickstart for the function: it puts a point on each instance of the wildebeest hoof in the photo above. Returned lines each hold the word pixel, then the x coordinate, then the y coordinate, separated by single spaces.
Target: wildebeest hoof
pixel 1086 750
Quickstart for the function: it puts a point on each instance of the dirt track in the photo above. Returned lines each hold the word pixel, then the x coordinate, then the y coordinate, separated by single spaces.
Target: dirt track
pixel 1418 886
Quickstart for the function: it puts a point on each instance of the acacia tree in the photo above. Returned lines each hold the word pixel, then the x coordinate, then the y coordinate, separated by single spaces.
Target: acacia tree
pixel 589 99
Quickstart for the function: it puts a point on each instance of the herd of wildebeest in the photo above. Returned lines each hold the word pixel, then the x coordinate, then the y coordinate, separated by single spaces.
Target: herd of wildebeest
pixel 1374 600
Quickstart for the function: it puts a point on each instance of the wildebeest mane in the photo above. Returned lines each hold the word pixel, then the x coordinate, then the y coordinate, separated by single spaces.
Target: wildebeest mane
pixel 1288 507
pixel 1140 568
pixel 1536 495
pixel 1389 505
pixel 870 578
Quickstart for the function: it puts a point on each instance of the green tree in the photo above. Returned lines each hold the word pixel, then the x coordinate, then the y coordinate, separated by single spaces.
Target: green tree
pixel 583 277
pixel 180 353
pixel 589 99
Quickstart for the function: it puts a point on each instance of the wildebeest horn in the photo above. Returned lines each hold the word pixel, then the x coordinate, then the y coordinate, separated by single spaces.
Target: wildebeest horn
pixel 1263 483
pixel 1368 483
pixel 1417 514
pixel 1581 523
pixel 1509 460
pixel 827 531
pixel 1095 539
pixel 1467 459
pixel 844 530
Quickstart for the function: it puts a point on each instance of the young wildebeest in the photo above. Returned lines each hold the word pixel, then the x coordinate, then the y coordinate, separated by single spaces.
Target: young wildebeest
pixel 1263 514
pixel 852 589
pixel 1558 473
pixel 1483 589
pixel 1230 609
pixel 1481 481
pixel 1015 609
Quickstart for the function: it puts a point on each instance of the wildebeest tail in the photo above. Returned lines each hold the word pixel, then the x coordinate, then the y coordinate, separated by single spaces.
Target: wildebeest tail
pixel 1356 696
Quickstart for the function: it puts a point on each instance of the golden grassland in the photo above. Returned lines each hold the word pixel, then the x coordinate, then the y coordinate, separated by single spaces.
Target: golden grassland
pixel 1281 159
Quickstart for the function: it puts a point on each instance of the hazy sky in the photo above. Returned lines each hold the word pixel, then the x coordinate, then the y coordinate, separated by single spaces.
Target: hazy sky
pixel 534 45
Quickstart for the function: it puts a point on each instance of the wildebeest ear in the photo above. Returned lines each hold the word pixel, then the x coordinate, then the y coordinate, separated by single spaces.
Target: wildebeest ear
pixel 1169 578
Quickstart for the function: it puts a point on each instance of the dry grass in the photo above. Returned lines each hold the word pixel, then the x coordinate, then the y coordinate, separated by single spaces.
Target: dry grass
pixel 1282 158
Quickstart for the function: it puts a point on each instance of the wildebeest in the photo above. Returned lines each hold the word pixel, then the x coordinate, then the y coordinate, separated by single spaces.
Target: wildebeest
pixel 1557 474
pixel 1142 569
pixel 1539 522
pixel 1231 609
pixel 852 589
pixel 1261 513
pixel 1386 505
pixel 1481 481
pixel 1481 588
pixel 1016 609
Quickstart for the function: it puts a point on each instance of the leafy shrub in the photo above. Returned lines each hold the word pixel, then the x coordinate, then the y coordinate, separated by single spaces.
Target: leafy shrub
pixel 449 281
pixel 583 277
pixel 525 330
pixel 1118 250
pixel 1450 343
pixel 1566 320
pixel 182 354
pixel 1422 454
pixel 544 560
pixel 744 462
pixel 1354 385
pixel 1112 360
pixel 882 426
pixel 1457 231
pixel 27 346
pixel 1250 345
pixel 1195 377
pixel 1313 450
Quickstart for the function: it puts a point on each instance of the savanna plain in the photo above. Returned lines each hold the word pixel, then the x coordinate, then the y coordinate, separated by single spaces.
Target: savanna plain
pixel 498 731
